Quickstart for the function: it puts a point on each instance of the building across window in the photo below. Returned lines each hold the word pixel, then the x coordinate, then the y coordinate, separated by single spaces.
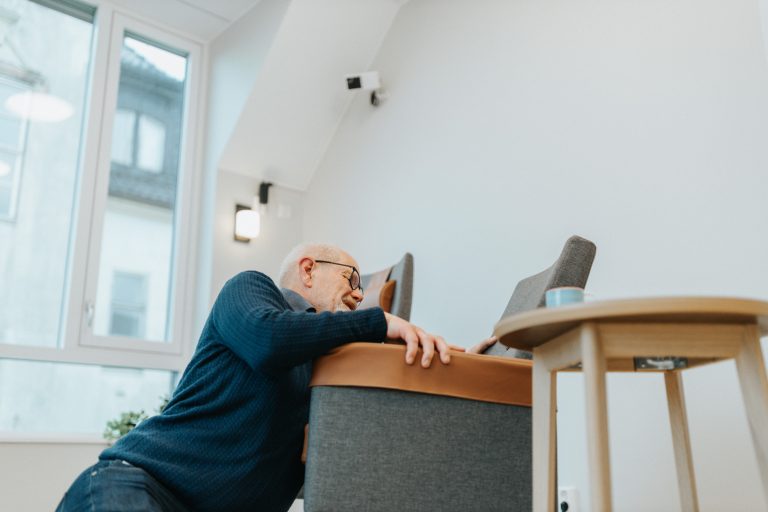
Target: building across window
pixel 129 305
pixel 151 150
pixel 147 126
pixel 139 222
pixel 39 166
pixel 138 146
pixel 123 138
pixel 12 145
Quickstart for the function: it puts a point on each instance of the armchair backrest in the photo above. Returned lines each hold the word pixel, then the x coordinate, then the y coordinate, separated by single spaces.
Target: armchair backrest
pixel 391 288
pixel 570 269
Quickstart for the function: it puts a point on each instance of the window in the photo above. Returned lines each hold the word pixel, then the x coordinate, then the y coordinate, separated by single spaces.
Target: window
pixel 129 305
pixel 122 140
pixel 12 143
pixel 138 232
pixel 93 250
pixel 40 396
pixel 139 145
pixel 151 144
pixel 33 268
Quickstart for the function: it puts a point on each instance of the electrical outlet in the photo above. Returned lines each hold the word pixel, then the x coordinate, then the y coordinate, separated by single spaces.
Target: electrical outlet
pixel 568 499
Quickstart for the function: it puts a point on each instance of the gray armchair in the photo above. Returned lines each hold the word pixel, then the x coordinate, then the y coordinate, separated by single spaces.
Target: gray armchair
pixel 384 436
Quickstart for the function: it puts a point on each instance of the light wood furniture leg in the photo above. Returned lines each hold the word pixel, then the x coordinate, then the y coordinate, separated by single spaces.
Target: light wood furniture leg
pixel 681 441
pixel 754 387
pixel 544 429
pixel 597 418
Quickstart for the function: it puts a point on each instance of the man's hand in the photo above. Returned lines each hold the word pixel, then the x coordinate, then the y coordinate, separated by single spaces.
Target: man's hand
pixel 397 328
pixel 482 346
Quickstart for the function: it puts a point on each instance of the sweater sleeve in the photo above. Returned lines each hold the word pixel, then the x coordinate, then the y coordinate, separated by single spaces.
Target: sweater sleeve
pixel 253 320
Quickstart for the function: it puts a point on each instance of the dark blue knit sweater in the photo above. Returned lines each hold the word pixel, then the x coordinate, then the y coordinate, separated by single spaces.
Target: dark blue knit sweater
pixel 231 437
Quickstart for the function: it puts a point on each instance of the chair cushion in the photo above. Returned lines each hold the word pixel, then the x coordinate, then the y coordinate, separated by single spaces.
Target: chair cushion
pixel 385 295
pixel 379 292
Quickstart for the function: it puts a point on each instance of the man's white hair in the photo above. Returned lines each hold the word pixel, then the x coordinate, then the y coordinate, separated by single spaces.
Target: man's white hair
pixel 288 271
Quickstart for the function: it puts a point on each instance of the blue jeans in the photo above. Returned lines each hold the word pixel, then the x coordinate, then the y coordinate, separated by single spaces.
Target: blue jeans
pixel 115 485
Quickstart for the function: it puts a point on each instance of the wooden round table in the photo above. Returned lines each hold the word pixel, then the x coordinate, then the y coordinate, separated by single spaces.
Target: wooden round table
pixel 670 333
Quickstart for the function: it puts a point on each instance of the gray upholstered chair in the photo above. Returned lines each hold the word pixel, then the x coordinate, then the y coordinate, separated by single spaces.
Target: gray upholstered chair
pixel 384 436
pixel 391 288
pixel 570 269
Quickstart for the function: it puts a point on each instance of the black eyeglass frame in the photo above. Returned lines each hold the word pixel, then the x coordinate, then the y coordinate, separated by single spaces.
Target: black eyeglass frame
pixel 354 271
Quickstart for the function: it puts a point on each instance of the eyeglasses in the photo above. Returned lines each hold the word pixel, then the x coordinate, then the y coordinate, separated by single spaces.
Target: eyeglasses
pixel 354 277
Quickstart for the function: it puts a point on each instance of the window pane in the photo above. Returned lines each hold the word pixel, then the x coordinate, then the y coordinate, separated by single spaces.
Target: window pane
pixel 126 323
pixel 151 144
pixel 12 143
pixel 33 268
pixel 5 199
pixel 129 304
pixel 122 137
pixel 8 184
pixel 10 86
pixel 57 397
pixel 11 131
pixel 138 231
pixel 129 289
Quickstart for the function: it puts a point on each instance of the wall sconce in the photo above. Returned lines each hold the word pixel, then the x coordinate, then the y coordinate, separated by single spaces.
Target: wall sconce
pixel 248 218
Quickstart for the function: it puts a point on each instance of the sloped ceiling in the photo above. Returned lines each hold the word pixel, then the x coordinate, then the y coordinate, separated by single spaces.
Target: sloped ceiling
pixel 203 19
pixel 300 95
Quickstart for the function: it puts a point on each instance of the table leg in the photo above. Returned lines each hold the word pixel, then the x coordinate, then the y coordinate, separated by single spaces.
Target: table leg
pixel 544 430
pixel 681 441
pixel 754 387
pixel 597 418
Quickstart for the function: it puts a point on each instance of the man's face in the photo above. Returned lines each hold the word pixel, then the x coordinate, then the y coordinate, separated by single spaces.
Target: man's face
pixel 331 290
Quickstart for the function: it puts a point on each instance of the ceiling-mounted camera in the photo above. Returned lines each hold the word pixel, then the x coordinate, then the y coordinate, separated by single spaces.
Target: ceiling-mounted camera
pixel 367 81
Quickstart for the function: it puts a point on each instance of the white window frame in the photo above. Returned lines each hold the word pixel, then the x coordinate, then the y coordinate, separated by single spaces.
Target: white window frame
pixel 77 342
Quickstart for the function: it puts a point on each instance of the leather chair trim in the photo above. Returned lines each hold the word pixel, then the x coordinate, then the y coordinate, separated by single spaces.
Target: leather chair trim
pixel 475 377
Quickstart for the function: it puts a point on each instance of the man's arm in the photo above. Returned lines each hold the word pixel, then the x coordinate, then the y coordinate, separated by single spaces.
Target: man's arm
pixel 251 318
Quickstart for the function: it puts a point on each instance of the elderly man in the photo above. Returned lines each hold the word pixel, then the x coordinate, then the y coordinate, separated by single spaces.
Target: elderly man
pixel 231 436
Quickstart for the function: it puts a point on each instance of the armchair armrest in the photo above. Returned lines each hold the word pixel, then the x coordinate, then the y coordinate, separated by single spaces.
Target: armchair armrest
pixel 387 436
pixel 484 378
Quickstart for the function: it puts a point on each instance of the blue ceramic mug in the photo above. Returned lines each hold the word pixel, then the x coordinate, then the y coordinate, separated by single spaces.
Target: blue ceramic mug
pixel 563 296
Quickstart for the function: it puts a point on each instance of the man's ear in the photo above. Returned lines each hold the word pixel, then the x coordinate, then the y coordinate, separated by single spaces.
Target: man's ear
pixel 305 271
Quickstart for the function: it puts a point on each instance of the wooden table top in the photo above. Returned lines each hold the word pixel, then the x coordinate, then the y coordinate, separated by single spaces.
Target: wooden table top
pixel 533 328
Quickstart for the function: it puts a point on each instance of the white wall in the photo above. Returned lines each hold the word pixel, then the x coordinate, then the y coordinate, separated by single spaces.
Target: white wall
pixel 278 235
pixel 41 472
pixel 300 94
pixel 512 125
pixel 235 60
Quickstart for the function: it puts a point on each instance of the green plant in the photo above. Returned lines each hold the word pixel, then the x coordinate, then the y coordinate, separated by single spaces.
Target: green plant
pixel 121 426
pixel 128 420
